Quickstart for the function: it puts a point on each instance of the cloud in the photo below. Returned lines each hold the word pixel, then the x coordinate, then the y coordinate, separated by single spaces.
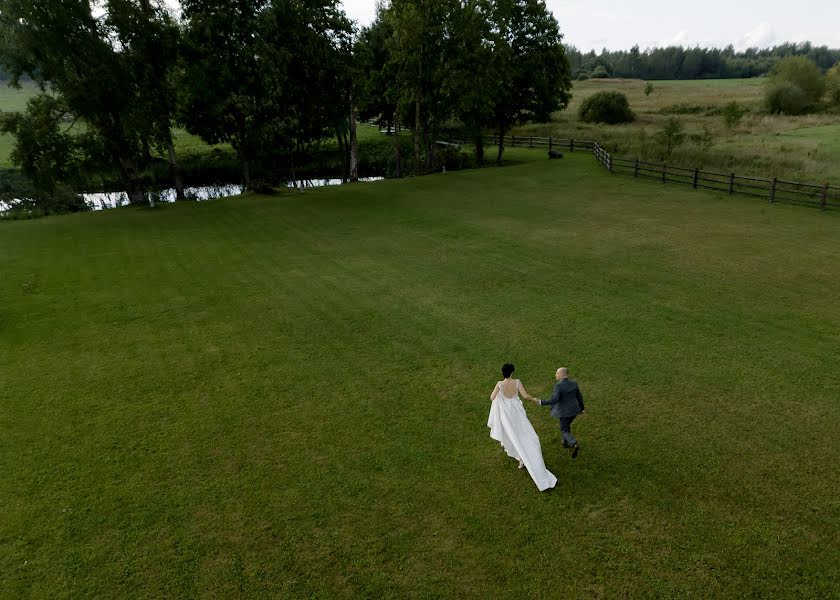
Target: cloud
pixel 760 36
pixel 680 39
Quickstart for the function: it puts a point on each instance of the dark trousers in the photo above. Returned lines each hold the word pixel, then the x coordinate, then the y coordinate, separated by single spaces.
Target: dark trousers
pixel 566 428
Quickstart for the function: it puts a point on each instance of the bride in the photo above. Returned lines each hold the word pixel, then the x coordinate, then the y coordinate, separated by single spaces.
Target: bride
pixel 509 425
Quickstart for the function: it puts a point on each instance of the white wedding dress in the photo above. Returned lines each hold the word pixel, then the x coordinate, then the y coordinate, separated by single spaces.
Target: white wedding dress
pixel 509 425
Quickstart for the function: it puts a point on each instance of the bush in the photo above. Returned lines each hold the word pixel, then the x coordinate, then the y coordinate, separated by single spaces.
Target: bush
pixel 583 76
pixel 452 158
pixel 787 98
pixel 600 72
pixel 648 88
pixel 682 108
pixel 606 107
pixel 733 113
pixel 671 135
pixel 801 72
pixel 832 80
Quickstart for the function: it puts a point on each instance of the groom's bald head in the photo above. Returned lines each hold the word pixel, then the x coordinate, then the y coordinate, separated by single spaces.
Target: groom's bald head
pixel 562 373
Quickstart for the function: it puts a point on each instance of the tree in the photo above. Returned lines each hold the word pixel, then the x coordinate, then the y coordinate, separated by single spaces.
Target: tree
pixel 671 135
pixel 532 73
pixel 98 66
pixel 266 76
pixel 801 72
pixel 832 79
pixel 472 79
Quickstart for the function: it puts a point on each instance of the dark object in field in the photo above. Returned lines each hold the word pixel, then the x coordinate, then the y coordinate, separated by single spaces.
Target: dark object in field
pixel 555 154
pixel 261 186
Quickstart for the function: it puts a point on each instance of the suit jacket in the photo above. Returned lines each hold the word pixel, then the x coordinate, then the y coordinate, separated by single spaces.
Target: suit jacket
pixel 566 399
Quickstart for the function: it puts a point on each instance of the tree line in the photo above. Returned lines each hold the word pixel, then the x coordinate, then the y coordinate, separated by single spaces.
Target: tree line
pixel 676 62
pixel 269 77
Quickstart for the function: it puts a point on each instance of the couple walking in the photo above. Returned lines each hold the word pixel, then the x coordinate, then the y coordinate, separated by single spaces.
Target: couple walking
pixel 509 424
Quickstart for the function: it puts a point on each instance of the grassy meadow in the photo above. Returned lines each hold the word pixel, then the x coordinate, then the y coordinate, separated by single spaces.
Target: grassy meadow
pixel 801 148
pixel 286 396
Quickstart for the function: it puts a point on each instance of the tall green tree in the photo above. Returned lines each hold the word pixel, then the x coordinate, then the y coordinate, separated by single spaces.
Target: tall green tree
pixel 532 72
pixel 97 58
pixel 266 76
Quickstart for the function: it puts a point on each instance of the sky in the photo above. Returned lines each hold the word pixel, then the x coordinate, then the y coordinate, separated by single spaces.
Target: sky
pixel 619 24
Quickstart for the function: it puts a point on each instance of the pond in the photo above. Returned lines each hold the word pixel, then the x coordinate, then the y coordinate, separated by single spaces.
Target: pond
pixel 104 200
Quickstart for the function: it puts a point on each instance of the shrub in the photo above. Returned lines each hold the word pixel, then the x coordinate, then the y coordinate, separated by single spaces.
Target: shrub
pixel 704 140
pixel 671 135
pixel 801 72
pixel 648 88
pixel 786 98
pixel 832 81
pixel 733 113
pixel 606 107
pixel 583 76
pixel 682 108
pixel 600 72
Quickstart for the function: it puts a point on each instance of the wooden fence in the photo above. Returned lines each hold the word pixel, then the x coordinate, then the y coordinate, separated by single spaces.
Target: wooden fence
pixel 823 196
pixel 773 190
pixel 548 143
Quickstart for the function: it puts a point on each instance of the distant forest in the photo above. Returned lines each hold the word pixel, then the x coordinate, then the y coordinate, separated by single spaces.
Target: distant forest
pixel 676 62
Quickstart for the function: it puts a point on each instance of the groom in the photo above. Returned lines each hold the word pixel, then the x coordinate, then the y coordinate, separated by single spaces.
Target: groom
pixel 566 403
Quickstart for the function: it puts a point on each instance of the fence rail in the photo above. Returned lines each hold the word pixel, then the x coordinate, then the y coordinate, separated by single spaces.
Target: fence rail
pixel 548 143
pixel 823 196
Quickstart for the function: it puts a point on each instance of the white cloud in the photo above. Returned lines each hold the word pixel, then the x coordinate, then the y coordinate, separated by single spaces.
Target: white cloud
pixel 680 39
pixel 760 36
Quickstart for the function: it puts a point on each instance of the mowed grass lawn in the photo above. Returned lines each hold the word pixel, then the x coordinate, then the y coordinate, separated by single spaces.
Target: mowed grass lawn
pixel 287 396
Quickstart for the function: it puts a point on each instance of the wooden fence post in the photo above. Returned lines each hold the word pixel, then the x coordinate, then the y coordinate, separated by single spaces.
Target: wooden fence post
pixel 636 169
pixel 531 142
pixel 609 162
pixel 694 182
pixel 550 143
pixel 664 171
pixel 824 198
pixel 773 190
pixel 731 183
pixel 571 145
pixel 512 141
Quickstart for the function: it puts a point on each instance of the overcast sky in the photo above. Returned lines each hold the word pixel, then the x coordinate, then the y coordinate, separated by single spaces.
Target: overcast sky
pixel 619 24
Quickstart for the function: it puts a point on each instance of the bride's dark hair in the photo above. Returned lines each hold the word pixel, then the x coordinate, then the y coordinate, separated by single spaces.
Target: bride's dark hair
pixel 507 369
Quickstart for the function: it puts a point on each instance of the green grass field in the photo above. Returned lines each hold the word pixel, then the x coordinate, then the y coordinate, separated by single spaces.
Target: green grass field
pixel 801 148
pixel 286 396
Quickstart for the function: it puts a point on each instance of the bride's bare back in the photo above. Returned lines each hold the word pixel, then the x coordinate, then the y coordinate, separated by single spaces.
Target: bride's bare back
pixel 509 388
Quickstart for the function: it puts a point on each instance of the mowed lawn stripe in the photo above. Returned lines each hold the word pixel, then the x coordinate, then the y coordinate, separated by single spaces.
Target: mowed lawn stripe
pixel 288 394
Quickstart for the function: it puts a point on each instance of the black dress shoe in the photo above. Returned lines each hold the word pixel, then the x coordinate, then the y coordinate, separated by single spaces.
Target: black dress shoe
pixel 565 445
pixel 575 450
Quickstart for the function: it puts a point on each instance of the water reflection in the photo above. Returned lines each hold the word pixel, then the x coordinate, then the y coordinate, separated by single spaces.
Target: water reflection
pixel 104 200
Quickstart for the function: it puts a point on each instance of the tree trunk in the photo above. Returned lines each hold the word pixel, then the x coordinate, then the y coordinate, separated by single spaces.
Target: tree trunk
pixel 500 157
pixel 429 140
pixel 354 143
pixel 133 186
pixel 340 139
pixel 294 174
pixel 417 137
pixel 346 174
pixel 397 140
pixel 246 173
pixel 479 148
pixel 175 169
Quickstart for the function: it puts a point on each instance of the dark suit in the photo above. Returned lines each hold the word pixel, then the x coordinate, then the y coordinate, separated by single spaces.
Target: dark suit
pixel 566 403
